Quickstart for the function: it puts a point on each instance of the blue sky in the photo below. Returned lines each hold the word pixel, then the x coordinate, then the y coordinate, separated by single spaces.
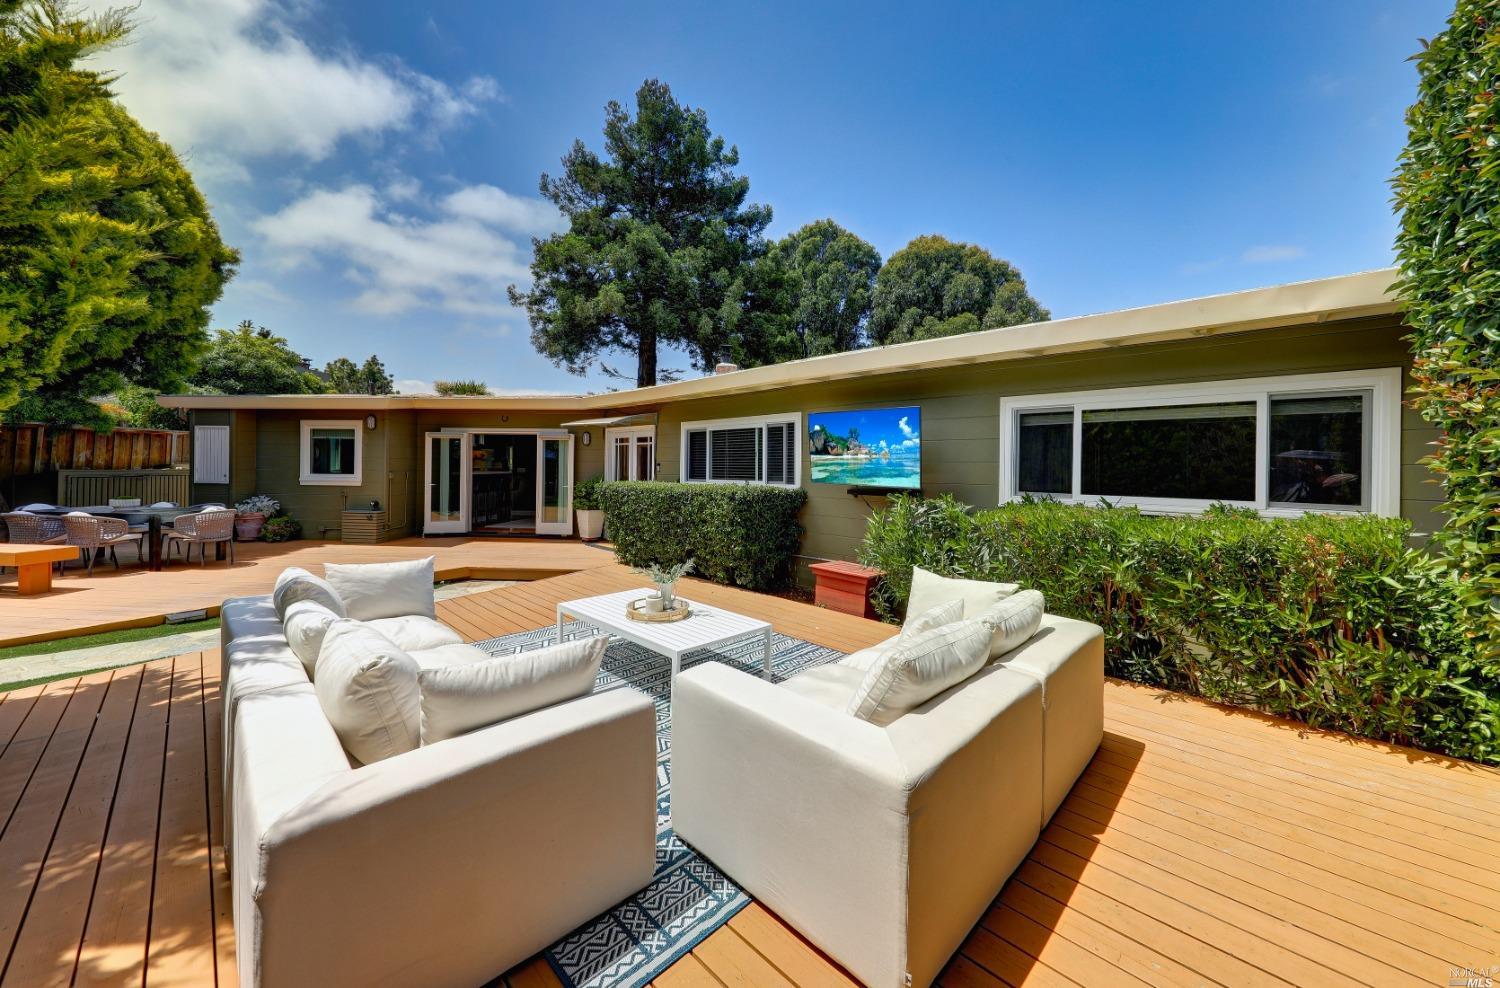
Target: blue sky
pixel 377 162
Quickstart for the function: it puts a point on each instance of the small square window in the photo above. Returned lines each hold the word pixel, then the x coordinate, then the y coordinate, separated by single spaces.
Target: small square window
pixel 331 453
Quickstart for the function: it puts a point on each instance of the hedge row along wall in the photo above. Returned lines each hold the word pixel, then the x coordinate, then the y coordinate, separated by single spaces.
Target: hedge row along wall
pixel 1334 621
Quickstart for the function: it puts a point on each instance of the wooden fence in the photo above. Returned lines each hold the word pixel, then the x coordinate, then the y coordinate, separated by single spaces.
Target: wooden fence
pixel 32 449
pixel 90 487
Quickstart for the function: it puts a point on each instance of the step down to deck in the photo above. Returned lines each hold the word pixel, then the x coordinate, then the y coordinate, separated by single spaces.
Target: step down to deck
pixel 182 617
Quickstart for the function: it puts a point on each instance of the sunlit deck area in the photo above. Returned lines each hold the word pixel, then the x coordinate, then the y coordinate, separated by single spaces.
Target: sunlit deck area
pixel 1202 845
pixel 132 596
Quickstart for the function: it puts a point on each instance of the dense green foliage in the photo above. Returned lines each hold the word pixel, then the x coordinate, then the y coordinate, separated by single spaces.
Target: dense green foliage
pixel 477 388
pixel 830 276
pixel 345 377
pixel 282 528
pixel 1448 191
pixel 1330 620
pixel 109 258
pixel 586 494
pixel 934 287
pixel 660 242
pixel 740 534
pixel 250 360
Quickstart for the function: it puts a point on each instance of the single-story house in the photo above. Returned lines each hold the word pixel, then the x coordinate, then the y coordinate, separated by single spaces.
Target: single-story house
pixel 1287 399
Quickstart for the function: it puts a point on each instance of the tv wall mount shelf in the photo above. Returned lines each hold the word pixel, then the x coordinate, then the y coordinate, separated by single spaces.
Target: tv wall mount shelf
pixel 884 491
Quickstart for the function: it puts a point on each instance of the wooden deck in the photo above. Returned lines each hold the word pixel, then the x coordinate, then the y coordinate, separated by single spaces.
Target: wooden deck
pixel 1202 846
pixel 132 597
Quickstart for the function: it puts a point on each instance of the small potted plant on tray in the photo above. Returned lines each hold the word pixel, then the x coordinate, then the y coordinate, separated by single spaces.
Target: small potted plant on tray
pixel 586 507
pixel 665 578
pixel 251 514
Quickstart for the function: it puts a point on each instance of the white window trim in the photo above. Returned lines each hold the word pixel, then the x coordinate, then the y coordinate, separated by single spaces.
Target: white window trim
pixel 1384 430
pixel 631 432
pixel 751 421
pixel 310 479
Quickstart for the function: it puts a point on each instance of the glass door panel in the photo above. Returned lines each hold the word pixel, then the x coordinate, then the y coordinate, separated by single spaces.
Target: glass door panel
pixel 554 494
pixel 447 502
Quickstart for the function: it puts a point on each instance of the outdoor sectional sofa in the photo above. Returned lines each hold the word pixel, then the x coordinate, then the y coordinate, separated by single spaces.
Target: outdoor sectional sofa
pixel 443 865
pixel 884 845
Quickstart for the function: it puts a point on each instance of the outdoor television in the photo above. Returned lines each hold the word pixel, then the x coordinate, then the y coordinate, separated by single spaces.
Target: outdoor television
pixel 867 447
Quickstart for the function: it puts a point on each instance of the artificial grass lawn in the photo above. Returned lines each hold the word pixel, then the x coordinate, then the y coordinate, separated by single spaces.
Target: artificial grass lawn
pixel 105 638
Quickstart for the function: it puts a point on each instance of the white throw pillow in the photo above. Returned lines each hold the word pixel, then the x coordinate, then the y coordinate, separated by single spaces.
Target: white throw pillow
pixel 441 656
pixel 382 590
pixel 296 583
pixel 368 690
pixel 919 668
pixel 1013 621
pixel 457 699
pixel 307 622
pixel 934 617
pixel 929 590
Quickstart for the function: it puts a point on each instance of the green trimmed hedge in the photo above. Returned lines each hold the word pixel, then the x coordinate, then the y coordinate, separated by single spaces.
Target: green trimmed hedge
pixel 1330 620
pixel 740 534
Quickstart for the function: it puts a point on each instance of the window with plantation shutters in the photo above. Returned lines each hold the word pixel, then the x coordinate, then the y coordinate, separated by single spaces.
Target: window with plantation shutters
pixel 742 451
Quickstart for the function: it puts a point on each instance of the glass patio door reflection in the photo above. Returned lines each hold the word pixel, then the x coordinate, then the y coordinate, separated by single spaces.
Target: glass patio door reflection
pixel 447 501
pixel 554 485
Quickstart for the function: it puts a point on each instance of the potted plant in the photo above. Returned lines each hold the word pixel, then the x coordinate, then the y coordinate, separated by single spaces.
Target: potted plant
pixel 665 578
pixel 586 508
pixel 251 514
pixel 282 529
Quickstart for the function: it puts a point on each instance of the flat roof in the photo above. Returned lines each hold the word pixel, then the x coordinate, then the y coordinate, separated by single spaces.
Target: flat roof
pixel 1349 296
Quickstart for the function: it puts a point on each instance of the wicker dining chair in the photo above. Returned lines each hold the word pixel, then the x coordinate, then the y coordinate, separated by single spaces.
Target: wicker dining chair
pixel 91 533
pixel 29 529
pixel 203 529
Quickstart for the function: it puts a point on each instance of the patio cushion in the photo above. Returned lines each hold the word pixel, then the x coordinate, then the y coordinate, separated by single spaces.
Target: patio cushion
pixel 453 654
pixel 928 590
pixel 382 590
pixel 831 686
pixel 368 690
pixel 306 623
pixel 934 617
pixel 414 632
pixel 918 668
pixel 1013 620
pixel 296 583
pixel 461 698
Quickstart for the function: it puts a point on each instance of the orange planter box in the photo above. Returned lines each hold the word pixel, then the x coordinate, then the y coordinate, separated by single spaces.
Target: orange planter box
pixel 845 587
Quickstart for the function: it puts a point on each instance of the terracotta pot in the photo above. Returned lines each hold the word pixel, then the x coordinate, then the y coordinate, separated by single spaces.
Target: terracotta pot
pixel 247 526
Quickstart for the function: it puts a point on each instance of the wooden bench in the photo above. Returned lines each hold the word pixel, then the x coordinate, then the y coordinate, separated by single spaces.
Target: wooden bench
pixel 33 563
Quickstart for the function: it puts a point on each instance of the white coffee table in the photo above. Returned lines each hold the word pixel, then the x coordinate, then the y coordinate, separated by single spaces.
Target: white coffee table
pixel 705 627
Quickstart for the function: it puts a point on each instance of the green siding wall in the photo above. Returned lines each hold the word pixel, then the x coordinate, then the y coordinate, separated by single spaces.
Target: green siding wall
pixel 961 410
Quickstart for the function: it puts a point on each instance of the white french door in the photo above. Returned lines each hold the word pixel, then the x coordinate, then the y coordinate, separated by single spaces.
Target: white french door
pixel 630 454
pixel 449 478
pixel 554 485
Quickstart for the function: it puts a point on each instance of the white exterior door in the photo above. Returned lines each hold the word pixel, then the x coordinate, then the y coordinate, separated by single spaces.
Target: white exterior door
pixel 630 454
pixel 554 485
pixel 446 507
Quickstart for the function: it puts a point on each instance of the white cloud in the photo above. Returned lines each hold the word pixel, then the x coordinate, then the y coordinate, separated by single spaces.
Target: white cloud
pixel 232 79
pixel 413 386
pixel 495 206
pixel 1272 253
pixel 912 438
pixel 458 262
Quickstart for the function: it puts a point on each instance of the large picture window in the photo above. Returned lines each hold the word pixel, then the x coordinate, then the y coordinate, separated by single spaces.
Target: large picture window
pixel 332 453
pixel 746 451
pixel 1283 445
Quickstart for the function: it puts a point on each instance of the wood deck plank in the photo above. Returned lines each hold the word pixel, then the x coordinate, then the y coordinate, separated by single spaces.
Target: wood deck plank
pixel 1202 846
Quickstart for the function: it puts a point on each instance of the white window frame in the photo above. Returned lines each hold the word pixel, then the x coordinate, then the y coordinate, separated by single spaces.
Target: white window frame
pixel 310 479
pixel 1382 429
pixel 799 438
pixel 633 434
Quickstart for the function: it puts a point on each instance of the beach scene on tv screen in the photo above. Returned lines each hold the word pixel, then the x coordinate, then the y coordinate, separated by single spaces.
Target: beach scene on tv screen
pixel 872 447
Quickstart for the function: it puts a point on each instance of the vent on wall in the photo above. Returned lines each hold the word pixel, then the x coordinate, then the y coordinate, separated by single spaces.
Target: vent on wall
pixel 211 454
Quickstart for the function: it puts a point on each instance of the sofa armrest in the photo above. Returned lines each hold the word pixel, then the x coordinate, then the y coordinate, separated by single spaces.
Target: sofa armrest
pixel 451 863
pixel 802 805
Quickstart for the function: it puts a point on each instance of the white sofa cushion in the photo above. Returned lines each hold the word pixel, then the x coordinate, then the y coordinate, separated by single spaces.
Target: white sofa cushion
pixel 305 624
pixel 457 699
pixel 415 632
pixel 384 590
pixel 918 668
pixel 934 617
pixel 296 583
pixel 368 690
pixel 452 654
pixel 929 590
pixel 1013 620
pixel 831 685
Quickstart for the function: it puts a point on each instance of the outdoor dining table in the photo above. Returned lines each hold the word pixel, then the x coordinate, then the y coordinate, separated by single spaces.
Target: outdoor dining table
pixel 152 518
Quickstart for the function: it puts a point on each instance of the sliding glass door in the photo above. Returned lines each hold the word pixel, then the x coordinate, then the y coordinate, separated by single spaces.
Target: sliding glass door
pixel 554 485
pixel 447 501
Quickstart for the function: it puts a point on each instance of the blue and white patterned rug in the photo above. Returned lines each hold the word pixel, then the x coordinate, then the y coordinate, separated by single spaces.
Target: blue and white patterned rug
pixel 688 897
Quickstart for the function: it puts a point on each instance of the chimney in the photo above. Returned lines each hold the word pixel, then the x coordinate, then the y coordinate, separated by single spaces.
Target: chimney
pixel 726 364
